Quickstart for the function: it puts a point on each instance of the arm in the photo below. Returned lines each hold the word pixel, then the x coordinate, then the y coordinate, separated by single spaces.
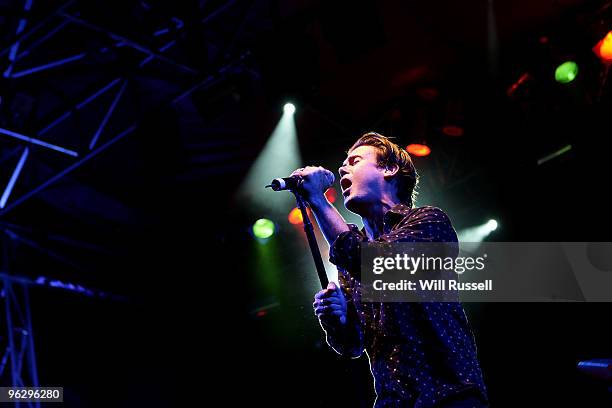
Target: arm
pixel 339 321
pixel 316 181
pixel 329 219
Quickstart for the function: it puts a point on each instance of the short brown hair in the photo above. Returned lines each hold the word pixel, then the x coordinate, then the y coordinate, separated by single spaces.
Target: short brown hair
pixel 390 154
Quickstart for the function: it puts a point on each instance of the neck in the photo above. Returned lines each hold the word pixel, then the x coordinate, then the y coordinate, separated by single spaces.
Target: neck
pixel 373 219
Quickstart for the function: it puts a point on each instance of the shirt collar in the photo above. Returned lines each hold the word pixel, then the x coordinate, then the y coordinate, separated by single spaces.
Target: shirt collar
pixel 394 215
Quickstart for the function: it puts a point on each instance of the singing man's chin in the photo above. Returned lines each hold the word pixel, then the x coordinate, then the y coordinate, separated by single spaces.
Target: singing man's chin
pixel 351 204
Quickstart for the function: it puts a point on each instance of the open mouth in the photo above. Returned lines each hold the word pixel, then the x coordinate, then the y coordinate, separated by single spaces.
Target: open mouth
pixel 345 184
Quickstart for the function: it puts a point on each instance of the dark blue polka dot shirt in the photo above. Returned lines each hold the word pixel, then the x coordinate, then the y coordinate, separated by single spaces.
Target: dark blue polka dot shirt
pixel 421 354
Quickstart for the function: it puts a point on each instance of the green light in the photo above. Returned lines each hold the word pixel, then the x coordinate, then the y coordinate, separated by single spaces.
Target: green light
pixel 263 228
pixel 566 72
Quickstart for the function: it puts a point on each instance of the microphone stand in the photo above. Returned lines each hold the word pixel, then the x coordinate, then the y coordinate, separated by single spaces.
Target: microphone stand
pixel 312 241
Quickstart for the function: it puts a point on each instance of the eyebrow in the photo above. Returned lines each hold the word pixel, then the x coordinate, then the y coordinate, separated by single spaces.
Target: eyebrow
pixel 352 156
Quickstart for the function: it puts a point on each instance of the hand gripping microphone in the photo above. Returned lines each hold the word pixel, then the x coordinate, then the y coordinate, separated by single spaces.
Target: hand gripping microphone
pixel 286 183
pixel 295 182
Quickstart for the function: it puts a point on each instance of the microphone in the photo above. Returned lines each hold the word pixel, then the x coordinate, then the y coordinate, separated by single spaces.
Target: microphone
pixel 286 183
pixel 295 182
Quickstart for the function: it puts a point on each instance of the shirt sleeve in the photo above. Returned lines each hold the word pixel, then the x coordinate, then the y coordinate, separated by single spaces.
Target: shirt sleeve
pixel 345 250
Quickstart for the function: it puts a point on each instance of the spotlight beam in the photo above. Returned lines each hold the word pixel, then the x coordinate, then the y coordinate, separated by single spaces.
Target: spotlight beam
pixel 279 157
pixel 478 233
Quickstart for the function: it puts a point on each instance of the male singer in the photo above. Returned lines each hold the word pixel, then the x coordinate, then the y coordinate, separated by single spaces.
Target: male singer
pixel 421 354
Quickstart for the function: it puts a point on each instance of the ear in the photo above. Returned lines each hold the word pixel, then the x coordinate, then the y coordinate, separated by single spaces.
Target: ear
pixel 390 171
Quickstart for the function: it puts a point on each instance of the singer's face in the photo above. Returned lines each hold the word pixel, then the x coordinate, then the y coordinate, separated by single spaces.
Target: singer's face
pixel 361 179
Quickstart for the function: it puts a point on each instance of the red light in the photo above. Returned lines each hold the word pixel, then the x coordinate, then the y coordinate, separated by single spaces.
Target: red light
pixel 452 130
pixel 331 195
pixel 603 49
pixel 428 94
pixel 295 216
pixel 419 150
pixel 519 83
pixel 261 313
pixel 410 76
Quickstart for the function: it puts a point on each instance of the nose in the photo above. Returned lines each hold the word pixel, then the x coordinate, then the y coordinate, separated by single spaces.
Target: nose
pixel 342 171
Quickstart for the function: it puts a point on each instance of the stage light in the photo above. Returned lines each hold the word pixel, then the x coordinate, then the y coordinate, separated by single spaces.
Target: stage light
pixel 419 150
pixel 566 72
pixel 264 310
pixel 263 228
pixel 521 83
pixel 603 49
pixel 555 154
pixel 331 195
pixel 295 216
pixel 289 108
pixel 428 93
pixel 492 225
pixel 452 130
pixel 478 233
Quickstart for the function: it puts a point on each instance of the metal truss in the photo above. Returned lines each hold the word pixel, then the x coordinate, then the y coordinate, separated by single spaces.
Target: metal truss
pixel 17 353
pixel 29 40
pixel 18 361
pixel 105 96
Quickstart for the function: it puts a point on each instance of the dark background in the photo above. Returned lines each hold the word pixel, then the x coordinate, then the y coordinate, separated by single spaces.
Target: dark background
pixel 195 307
